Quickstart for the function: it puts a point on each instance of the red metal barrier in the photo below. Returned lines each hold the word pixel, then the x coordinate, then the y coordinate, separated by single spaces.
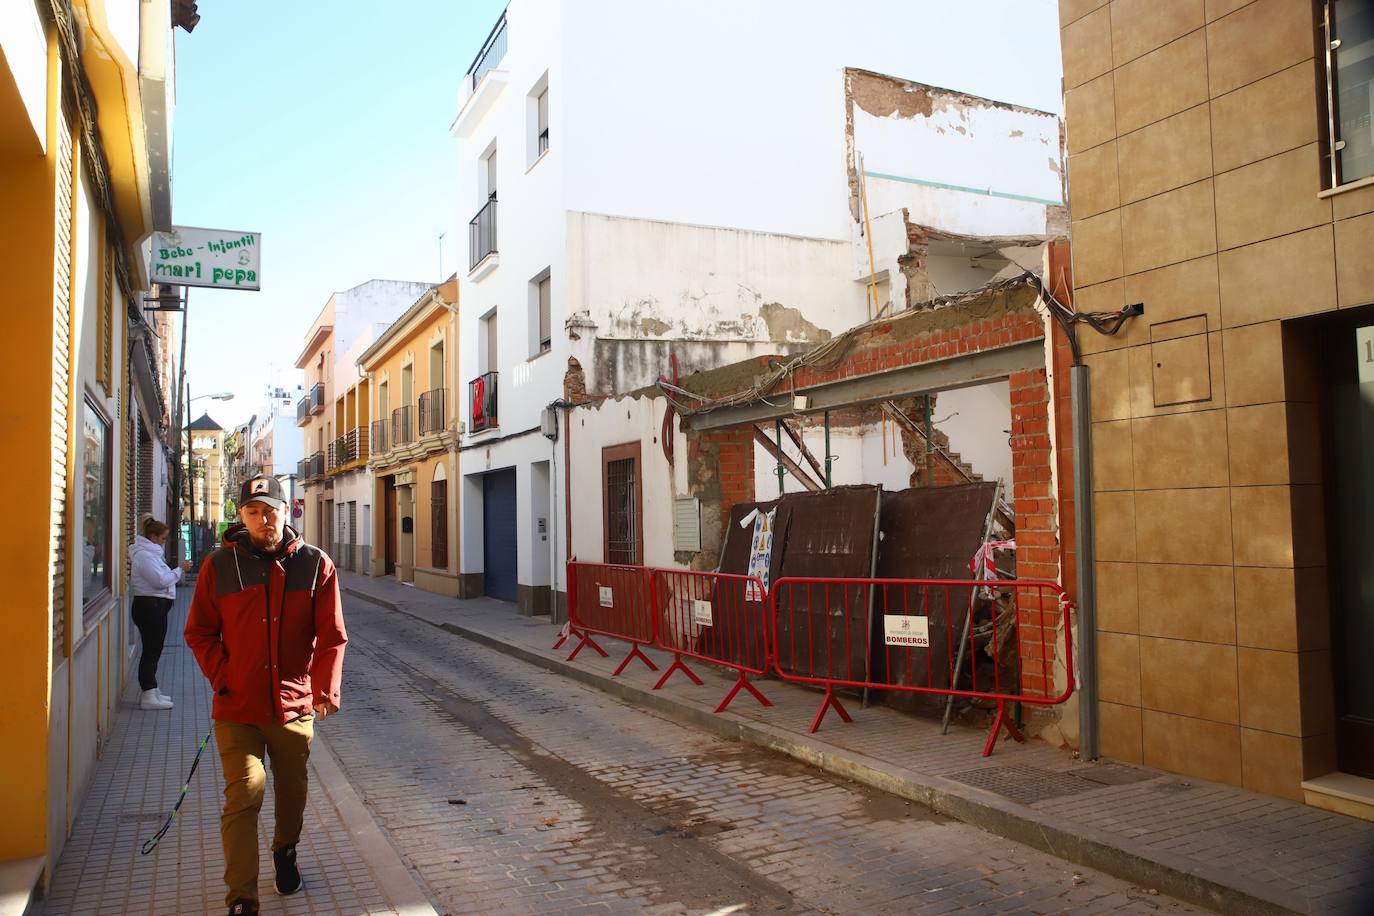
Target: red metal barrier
pixel 611 600
pixel 931 635
pixel 719 618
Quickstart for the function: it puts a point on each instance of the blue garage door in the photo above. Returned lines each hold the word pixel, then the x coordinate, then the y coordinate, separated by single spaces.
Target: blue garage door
pixel 498 534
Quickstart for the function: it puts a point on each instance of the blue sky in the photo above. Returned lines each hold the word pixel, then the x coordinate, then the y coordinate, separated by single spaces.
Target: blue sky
pixel 325 128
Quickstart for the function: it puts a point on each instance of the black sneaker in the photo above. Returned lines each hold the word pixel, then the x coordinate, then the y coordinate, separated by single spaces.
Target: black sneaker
pixel 288 875
pixel 242 907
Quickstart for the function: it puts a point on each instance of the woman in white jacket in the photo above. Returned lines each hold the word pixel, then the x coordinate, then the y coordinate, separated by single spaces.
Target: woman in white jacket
pixel 154 587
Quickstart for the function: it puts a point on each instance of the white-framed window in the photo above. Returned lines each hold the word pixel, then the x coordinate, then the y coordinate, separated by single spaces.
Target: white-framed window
pixel 486 343
pixel 541 313
pixel 1349 32
pixel 537 120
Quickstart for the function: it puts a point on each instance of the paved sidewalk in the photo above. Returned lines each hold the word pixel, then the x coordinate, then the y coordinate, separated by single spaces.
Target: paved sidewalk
pixel 1216 845
pixel 136 783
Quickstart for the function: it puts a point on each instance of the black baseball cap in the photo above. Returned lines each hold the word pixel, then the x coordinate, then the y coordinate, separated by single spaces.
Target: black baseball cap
pixel 264 489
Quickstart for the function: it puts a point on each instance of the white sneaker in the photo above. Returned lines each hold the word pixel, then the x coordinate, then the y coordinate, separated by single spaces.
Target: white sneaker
pixel 162 695
pixel 152 700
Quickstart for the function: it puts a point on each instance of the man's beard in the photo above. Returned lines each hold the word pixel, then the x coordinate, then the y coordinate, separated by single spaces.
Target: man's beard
pixel 268 540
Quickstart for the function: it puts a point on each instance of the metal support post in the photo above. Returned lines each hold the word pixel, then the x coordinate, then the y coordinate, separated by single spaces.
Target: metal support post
pixel 930 444
pixel 782 470
pixel 829 458
pixel 1087 583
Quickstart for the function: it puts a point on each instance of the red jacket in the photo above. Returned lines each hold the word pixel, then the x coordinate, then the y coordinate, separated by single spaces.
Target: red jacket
pixel 268 632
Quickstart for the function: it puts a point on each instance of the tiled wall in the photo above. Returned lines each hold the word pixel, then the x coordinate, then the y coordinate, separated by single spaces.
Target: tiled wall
pixel 1194 177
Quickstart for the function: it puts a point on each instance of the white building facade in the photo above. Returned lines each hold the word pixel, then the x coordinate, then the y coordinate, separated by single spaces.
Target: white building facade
pixel 641 206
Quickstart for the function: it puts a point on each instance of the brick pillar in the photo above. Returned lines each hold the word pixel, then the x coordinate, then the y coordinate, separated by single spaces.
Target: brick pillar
pixel 575 383
pixel 1037 537
pixel 720 473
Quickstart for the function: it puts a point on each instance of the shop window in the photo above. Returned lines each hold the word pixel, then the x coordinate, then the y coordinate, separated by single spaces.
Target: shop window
pixel 97 539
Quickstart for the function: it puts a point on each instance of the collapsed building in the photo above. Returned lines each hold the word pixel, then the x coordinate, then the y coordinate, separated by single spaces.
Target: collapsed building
pixel 680 464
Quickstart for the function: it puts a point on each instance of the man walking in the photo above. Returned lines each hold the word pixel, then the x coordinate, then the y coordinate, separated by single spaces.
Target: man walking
pixel 267 630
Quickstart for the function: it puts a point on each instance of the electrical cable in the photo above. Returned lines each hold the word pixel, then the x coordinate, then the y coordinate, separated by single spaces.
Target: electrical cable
pixel 832 353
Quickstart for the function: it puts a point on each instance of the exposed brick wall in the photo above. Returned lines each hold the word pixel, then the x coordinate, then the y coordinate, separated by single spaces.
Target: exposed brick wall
pixel 873 354
pixel 722 461
pixel 1037 538
pixel 575 383
pixel 720 474
pixel 1061 280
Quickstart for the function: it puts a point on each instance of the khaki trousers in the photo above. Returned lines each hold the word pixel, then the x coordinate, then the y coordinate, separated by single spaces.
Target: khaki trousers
pixel 241 750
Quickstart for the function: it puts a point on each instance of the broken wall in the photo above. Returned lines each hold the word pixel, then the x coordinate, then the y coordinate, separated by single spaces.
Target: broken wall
pixel 593 427
pixel 954 161
pixel 726 294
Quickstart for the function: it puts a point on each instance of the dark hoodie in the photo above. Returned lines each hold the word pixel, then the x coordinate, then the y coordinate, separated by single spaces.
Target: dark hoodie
pixel 267 630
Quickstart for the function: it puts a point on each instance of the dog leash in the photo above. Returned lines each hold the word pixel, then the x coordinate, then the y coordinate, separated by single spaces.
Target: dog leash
pixel 151 843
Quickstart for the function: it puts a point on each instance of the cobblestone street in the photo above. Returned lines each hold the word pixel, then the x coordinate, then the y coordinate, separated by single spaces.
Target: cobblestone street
pixel 508 789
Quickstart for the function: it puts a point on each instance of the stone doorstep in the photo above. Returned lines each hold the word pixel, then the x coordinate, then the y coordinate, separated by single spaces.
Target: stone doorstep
pixel 19 884
pixel 1343 793
pixel 1177 875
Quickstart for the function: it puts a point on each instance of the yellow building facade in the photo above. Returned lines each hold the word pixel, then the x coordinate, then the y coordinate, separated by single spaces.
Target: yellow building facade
pixel 1221 173
pixel 206 446
pixel 412 379
pixel 84 102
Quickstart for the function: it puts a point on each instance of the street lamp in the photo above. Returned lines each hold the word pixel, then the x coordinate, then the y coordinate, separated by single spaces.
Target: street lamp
pixel 219 396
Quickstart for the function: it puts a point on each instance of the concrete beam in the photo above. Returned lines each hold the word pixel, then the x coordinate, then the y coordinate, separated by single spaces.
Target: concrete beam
pixel 926 378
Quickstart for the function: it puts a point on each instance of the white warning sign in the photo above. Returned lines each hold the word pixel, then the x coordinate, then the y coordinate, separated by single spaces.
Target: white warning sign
pixel 701 612
pixel 607 598
pixel 903 630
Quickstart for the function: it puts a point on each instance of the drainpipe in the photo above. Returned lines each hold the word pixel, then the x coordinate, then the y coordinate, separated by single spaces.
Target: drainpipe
pixel 1087 594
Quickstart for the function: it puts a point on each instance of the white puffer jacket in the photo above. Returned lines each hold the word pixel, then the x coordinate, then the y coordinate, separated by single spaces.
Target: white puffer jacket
pixel 151 575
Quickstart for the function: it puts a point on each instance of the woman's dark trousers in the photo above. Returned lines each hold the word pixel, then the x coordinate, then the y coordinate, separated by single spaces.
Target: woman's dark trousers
pixel 150 616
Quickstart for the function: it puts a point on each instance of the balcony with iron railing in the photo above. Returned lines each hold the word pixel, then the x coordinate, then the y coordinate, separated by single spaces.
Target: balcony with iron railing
pixel 487 59
pixel 380 438
pixel 336 455
pixel 349 451
pixel 402 426
pixel 356 441
pixel 317 398
pixel 313 467
pixel 482 402
pixel 433 417
pixel 303 410
pixel 482 234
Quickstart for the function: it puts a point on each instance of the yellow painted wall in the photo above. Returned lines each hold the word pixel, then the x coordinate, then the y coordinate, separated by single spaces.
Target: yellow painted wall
pixel 27 237
pixel 408 344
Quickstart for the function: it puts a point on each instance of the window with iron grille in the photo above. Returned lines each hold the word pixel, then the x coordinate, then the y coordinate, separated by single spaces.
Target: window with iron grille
pixel 621 489
pixel 438 514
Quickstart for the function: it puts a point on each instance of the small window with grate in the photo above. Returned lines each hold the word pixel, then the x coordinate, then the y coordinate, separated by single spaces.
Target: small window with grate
pixel 624 533
pixel 438 514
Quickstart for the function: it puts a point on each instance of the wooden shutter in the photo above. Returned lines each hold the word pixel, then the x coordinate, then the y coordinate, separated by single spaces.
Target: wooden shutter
pixel 104 366
pixel 438 516
pixel 61 371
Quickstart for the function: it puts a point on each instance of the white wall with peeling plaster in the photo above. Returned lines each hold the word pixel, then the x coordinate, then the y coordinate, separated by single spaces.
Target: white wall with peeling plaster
pixel 934 165
pixel 619 421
